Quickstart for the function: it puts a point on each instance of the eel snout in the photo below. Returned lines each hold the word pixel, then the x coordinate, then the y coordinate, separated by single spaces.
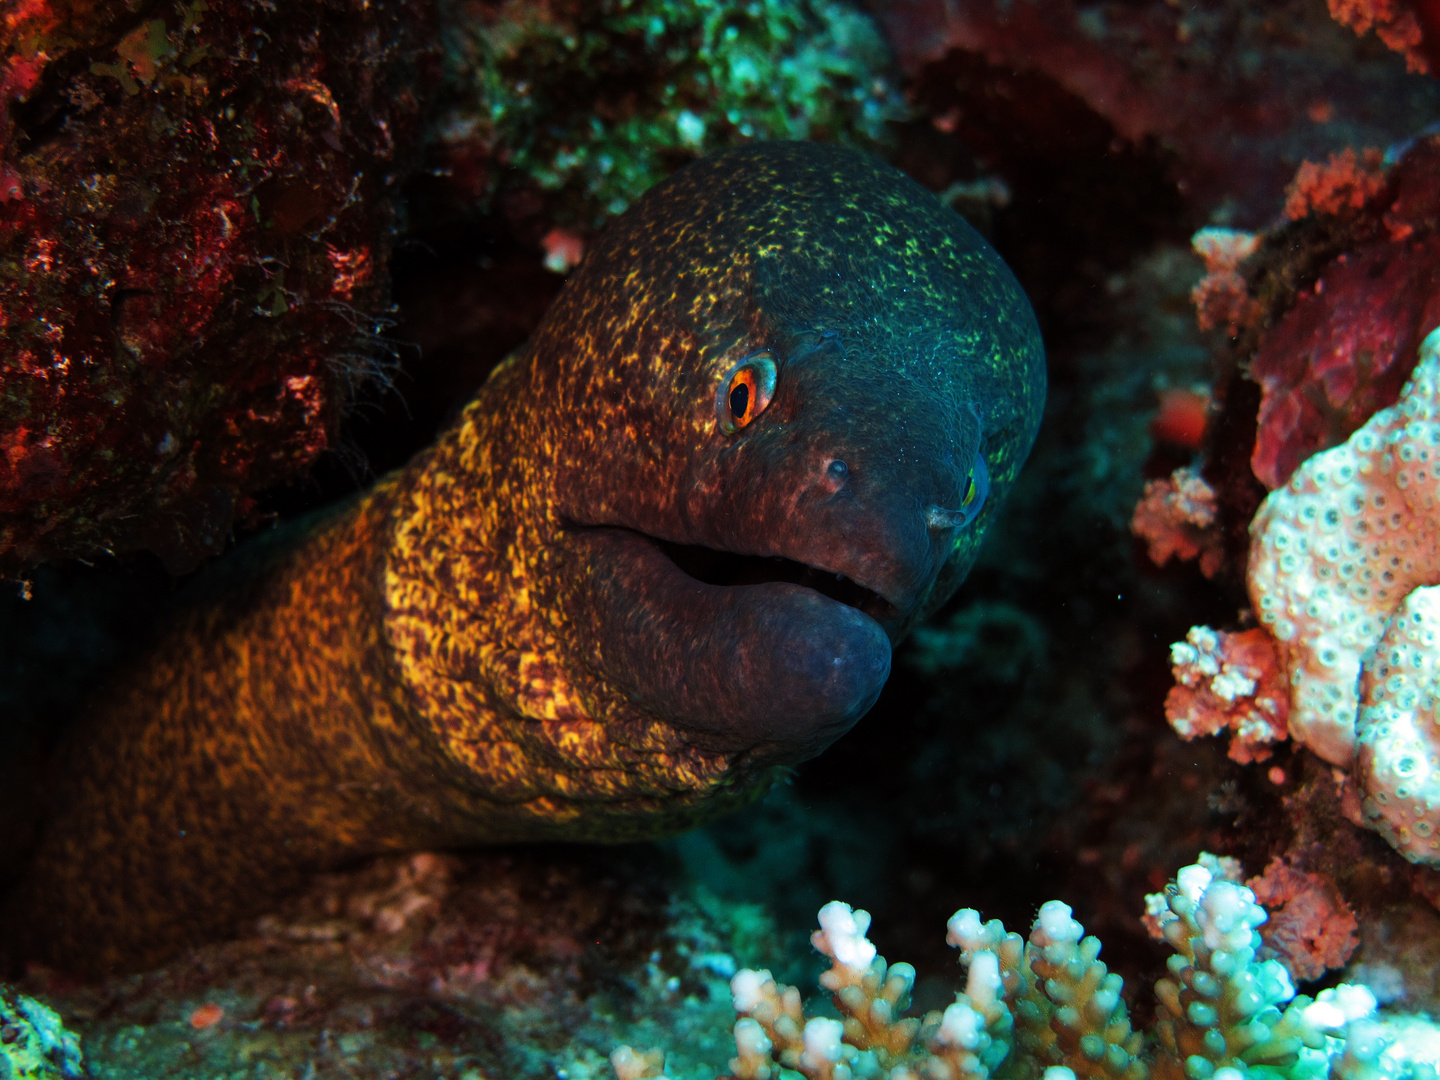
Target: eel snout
pixel 763 665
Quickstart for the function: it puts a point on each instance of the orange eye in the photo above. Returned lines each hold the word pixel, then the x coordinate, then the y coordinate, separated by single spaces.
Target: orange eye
pixel 745 391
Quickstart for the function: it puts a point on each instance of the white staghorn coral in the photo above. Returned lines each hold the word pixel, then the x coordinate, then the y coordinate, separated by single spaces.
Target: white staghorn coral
pixel 1049 1009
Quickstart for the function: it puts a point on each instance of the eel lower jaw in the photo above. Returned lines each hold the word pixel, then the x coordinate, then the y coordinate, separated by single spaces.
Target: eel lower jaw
pixel 755 664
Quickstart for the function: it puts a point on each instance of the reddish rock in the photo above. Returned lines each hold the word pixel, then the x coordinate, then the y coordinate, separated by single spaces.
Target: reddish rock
pixel 196 209
pixel 1237 95
pixel 1348 342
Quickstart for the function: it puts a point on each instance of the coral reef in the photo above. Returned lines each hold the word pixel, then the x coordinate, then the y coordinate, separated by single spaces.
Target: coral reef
pixel 1018 751
pixel 1339 547
pixel 1340 571
pixel 34 1044
pixel 586 105
pixel 1325 311
pixel 1050 1007
pixel 198 212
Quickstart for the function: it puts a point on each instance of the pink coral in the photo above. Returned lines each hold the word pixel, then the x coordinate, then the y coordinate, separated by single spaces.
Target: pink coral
pixel 1345 181
pixel 1311 928
pixel 1229 680
pixel 1176 517
pixel 1393 23
pixel 1220 297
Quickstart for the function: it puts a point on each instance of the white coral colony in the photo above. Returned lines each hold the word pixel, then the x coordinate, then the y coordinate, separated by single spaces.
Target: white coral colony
pixel 1340 563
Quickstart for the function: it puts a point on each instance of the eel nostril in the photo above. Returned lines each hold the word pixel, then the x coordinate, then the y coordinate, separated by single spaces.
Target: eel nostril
pixel 938 518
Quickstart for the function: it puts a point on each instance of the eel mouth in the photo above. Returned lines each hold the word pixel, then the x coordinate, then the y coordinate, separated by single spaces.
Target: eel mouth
pixel 760 655
pixel 727 568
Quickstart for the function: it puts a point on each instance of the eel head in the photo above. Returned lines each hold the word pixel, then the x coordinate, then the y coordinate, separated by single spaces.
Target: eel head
pixel 782 397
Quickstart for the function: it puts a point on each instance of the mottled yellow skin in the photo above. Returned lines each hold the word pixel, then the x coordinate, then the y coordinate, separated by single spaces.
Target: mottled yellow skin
pixel 312 718
pixel 492 645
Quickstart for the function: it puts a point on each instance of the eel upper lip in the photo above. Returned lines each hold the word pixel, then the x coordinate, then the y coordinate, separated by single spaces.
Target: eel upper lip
pixel 715 566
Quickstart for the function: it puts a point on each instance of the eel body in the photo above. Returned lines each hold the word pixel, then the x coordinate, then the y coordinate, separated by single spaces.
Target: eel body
pixel 667 548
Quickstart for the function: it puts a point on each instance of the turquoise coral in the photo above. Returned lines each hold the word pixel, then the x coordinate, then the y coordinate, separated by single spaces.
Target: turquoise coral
pixel 34 1044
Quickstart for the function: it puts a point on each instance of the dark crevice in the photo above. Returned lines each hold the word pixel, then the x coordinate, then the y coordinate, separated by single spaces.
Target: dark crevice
pixel 726 568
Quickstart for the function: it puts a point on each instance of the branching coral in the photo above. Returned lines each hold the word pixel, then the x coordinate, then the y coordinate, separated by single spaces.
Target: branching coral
pixel 1049 1007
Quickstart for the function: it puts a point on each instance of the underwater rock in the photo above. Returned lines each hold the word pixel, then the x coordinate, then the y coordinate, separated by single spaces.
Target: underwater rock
pixel 1348 340
pixel 504 642
pixel 506 965
pixel 196 216
pixel 1233 95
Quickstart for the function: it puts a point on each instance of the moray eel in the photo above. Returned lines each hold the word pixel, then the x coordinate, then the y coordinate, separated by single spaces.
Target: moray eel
pixel 667 548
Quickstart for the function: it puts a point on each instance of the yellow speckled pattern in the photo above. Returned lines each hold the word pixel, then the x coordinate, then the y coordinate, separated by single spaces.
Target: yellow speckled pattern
pixel 492 645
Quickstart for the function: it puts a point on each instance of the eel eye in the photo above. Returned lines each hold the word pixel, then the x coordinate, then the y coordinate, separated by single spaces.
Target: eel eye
pixel 976 488
pixel 745 391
